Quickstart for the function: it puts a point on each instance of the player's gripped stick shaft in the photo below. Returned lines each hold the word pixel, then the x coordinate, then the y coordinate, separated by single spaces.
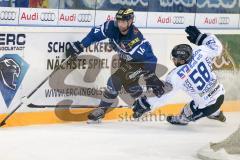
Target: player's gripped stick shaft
pixel 33 91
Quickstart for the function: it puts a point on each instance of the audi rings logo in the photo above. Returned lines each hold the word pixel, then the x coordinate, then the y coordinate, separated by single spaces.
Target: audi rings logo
pixel 84 17
pixel 48 16
pixel 8 15
pixel 223 20
pixel 178 20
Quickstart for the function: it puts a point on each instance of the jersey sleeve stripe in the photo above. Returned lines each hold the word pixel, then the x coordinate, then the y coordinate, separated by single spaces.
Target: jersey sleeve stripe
pixel 102 30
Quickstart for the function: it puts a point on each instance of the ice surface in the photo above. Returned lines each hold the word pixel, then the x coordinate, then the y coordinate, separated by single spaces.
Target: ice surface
pixel 113 140
pixel 206 153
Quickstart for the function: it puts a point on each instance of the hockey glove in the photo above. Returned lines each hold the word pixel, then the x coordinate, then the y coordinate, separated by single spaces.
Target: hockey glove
pixel 74 49
pixel 152 81
pixel 194 35
pixel 140 107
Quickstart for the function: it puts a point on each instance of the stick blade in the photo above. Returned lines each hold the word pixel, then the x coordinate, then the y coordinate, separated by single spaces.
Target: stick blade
pixel 35 106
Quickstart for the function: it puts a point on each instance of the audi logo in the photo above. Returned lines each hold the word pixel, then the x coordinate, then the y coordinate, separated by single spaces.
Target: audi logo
pixel 47 16
pixel 8 15
pixel 178 20
pixel 84 17
pixel 223 20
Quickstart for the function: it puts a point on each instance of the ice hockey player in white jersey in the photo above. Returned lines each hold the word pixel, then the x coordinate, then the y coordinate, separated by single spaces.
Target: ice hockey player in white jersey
pixel 193 74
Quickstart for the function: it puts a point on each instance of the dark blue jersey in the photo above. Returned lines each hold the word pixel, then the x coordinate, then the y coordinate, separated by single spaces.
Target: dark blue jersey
pixel 132 47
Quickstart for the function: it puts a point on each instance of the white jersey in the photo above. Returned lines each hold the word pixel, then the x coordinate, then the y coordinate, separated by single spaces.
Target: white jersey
pixel 197 78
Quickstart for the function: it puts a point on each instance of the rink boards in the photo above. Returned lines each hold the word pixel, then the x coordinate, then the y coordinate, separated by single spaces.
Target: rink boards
pixel 34 53
pixel 118 114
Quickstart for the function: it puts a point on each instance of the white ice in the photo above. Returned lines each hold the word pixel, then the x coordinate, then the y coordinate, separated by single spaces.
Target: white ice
pixel 113 140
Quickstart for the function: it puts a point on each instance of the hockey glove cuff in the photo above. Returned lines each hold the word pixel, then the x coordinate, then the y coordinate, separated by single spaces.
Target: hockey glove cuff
pixel 194 35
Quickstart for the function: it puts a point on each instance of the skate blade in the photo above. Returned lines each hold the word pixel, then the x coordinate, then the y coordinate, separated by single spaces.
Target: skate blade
pixel 144 115
pixel 148 113
pixel 94 122
pixel 169 120
pixel 222 119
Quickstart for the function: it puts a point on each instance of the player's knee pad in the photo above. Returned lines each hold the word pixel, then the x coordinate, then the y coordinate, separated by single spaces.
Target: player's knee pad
pixel 109 97
pixel 113 87
pixel 110 93
pixel 134 91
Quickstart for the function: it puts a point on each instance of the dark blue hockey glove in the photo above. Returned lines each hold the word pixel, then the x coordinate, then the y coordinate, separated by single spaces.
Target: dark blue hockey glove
pixel 152 81
pixel 140 106
pixel 194 35
pixel 74 49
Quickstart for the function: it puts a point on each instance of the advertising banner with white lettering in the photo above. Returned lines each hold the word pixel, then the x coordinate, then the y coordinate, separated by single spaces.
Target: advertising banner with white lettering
pixel 186 6
pixel 36 16
pixel 137 5
pixel 217 6
pixel 21 3
pixel 102 16
pixel 7 3
pixel 77 4
pixel 9 16
pixel 76 17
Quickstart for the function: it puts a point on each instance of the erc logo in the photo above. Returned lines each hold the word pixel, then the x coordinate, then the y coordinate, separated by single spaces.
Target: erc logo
pixel 12 71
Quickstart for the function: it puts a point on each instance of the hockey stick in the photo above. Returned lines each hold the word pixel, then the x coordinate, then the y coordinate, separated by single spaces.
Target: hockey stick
pixel 34 90
pixel 69 106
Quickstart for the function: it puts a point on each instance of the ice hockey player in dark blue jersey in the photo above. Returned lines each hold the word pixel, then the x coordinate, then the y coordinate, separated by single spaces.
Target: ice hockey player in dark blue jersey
pixel 135 54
